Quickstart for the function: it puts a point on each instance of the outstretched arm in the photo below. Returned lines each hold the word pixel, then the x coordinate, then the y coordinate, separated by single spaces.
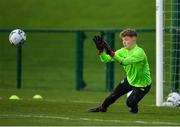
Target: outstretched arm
pixel 105 57
pixel 137 56
pixel 120 57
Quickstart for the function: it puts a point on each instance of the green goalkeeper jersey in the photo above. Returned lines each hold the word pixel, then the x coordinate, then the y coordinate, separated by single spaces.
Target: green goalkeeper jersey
pixel 135 64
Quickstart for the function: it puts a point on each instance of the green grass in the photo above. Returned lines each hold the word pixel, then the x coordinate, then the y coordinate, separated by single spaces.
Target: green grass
pixel 60 108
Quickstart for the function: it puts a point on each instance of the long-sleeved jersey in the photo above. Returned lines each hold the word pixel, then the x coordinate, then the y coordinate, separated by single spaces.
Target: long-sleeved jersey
pixel 135 64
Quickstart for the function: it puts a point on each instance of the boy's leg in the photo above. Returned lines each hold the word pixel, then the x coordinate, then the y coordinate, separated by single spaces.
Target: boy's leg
pixel 134 98
pixel 120 90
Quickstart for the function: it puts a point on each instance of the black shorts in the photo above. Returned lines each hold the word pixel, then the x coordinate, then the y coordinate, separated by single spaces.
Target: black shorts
pixel 123 88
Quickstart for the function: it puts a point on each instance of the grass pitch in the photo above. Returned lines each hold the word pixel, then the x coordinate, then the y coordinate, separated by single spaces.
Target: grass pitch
pixel 49 64
pixel 61 108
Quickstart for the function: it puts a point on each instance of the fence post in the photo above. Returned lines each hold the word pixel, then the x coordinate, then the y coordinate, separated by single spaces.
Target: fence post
pixel 110 66
pixel 19 66
pixel 175 45
pixel 80 84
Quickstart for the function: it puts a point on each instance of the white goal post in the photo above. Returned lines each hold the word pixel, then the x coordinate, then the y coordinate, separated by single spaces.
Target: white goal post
pixel 159 52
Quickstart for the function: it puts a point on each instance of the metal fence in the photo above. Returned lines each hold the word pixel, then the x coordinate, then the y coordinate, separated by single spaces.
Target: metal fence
pixel 59 58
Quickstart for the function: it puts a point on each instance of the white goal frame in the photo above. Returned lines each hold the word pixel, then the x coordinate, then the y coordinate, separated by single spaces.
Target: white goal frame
pixel 159 52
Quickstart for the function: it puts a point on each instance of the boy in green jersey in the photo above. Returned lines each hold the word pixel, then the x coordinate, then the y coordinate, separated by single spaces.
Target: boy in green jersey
pixel 134 61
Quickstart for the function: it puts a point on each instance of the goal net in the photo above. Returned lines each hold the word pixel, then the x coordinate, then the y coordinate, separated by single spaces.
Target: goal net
pixel 168 44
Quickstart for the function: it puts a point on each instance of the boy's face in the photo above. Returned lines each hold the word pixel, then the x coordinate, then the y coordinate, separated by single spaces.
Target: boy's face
pixel 129 42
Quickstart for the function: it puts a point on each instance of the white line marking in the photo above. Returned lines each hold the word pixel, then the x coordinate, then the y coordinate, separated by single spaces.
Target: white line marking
pixel 85 119
pixel 88 102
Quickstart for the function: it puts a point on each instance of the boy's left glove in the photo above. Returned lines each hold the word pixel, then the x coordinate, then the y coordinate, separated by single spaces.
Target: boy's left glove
pixel 108 49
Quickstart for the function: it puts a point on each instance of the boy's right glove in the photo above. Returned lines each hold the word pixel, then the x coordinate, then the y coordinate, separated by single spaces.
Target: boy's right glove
pixel 99 43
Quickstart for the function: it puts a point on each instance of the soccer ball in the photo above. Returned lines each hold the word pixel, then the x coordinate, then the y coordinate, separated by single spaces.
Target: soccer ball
pixel 17 37
pixel 173 97
pixel 173 100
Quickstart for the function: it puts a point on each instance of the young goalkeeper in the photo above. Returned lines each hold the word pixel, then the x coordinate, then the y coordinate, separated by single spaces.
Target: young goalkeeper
pixel 134 61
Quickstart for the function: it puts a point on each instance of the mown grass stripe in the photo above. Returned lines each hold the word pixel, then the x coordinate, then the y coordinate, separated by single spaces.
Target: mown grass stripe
pixel 85 119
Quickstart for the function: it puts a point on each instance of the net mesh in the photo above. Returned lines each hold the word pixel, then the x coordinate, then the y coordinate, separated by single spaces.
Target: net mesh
pixel 171 45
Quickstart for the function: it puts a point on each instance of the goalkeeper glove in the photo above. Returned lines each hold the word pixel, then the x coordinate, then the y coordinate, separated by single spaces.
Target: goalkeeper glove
pixel 99 43
pixel 108 49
